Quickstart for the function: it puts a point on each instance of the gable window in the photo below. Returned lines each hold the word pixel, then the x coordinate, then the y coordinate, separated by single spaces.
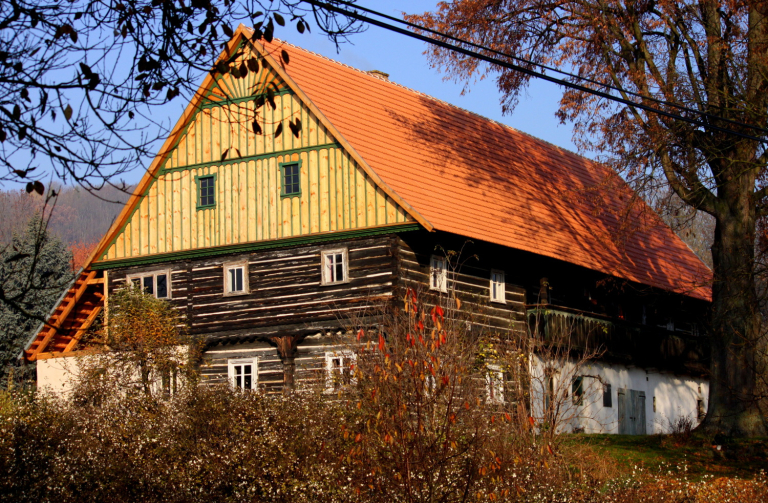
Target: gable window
pixel 243 373
pixel 497 286
pixel 236 278
pixel 438 274
pixel 155 283
pixel 334 263
pixel 494 384
pixel 339 369
pixel 206 191
pixel 291 177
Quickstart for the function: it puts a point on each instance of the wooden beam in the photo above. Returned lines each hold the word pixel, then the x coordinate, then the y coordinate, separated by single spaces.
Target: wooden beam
pixel 61 317
pixel 96 281
pixel 81 331
pixel 58 354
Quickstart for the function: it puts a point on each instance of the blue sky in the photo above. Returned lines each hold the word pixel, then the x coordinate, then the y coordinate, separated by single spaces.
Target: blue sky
pixel 401 57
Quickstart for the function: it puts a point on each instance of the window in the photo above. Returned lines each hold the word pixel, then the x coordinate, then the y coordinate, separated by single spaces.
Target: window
pixel 438 274
pixel 577 390
pixel 206 191
pixel 236 278
pixel 700 411
pixel 494 384
pixel 334 266
pixel 497 286
pixel 607 398
pixel 243 373
pixel 291 173
pixel 155 283
pixel 339 369
pixel 654 404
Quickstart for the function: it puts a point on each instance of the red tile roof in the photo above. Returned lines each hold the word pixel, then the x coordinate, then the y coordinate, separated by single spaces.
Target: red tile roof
pixel 472 176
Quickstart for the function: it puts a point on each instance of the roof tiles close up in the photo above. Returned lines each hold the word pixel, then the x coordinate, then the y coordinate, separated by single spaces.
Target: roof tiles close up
pixel 472 176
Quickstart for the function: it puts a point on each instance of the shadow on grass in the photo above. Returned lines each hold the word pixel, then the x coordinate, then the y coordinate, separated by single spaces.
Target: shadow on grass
pixel 696 455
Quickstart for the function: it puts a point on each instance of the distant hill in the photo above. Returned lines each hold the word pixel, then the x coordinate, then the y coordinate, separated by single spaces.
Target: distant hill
pixel 78 217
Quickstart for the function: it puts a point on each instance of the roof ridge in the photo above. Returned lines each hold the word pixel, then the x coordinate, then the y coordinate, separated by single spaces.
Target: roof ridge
pixel 429 96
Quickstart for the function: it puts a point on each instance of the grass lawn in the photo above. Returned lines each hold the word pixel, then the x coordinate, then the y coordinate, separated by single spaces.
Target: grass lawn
pixel 695 454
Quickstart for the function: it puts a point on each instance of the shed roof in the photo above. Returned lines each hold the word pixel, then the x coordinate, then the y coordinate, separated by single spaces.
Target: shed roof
pixel 472 176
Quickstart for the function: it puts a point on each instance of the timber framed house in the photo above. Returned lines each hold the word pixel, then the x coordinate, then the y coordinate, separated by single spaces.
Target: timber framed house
pixel 291 197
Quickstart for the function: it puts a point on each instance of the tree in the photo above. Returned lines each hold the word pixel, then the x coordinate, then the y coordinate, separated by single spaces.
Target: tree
pixel 39 291
pixel 705 60
pixel 143 345
pixel 80 79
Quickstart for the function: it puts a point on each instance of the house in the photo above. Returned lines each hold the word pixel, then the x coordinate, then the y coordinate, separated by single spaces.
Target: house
pixel 293 195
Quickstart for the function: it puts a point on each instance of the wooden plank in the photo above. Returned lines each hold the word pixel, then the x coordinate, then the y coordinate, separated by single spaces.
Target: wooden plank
pixel 324 189
pixel 83 328
pixel 185 210
pixel 63 316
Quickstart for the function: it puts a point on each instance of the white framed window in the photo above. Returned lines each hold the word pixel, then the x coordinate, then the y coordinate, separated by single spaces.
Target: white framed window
pixel 236 278
pixel 157 283
pixel 339 369
pixel 494 384
pixel 498 286
pixel 335 268
pixel 438 274
pixel 243 373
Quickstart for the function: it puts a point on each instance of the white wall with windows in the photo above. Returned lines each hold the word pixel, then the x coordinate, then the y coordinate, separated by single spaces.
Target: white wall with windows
pixel 664 396
pixel 59 375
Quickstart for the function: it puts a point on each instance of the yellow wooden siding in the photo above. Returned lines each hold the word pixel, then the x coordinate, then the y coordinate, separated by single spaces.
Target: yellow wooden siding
pixel 336 193
pixel 249 206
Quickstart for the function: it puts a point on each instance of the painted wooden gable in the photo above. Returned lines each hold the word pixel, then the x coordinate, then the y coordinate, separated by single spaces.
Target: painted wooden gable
pixel 336 194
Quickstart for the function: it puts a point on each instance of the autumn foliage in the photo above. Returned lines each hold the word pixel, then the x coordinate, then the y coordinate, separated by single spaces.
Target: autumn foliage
pixel 417 416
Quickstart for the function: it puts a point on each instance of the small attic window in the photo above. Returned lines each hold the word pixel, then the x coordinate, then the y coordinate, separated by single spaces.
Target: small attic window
pixel 291 181
pixel 206 191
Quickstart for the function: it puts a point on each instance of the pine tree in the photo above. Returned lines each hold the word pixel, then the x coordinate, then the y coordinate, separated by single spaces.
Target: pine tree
pixel 34 269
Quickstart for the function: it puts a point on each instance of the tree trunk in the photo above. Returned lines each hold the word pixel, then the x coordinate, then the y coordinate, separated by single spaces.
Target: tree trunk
pixel 736 320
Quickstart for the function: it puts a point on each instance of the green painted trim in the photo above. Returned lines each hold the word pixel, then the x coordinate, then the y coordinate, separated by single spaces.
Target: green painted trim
pixel 256 157
pixel 282 166
pixel 249 247
pixel 215 177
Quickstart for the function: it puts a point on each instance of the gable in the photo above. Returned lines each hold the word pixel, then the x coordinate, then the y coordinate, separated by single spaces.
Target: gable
pixel 218 141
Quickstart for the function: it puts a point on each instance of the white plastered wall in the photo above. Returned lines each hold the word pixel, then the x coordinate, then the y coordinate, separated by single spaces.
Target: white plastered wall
pixel 59 376
pixel 675 395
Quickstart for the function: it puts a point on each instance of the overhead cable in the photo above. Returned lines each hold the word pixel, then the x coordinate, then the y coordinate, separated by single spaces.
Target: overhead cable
pixel 527 71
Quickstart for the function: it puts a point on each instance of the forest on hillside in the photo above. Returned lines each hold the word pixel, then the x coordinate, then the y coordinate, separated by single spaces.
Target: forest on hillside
pixel 79 218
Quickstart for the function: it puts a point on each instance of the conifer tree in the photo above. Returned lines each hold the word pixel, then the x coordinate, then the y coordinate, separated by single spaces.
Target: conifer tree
pixel 34 268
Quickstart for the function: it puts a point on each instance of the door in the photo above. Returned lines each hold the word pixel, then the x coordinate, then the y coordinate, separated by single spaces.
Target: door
pixel 638 412
pixel 631 412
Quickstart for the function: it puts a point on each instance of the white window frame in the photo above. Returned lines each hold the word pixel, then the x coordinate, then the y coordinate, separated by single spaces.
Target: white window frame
pixel 438 273
pixel 325 273
pixel 348 359
pixel 140 276
pixel 231 375
pixel 494 384
pixel 227 287
pixel 500 286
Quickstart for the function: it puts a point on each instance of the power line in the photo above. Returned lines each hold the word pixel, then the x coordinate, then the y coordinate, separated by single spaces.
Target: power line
pixel 533 73
pixel 553 69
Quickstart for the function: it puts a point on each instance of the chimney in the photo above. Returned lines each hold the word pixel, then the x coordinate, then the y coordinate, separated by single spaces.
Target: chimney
pixel 379 74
